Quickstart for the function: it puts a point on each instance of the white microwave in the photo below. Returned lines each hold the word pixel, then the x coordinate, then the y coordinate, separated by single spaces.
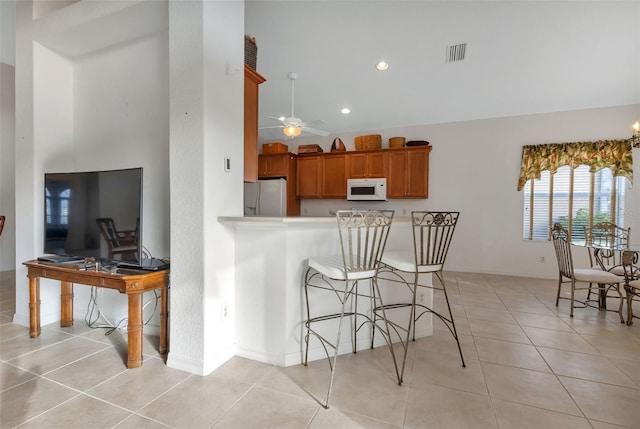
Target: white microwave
pixel 367 189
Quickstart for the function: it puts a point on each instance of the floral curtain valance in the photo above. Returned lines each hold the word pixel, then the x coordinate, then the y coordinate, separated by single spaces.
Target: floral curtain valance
pixel 614 154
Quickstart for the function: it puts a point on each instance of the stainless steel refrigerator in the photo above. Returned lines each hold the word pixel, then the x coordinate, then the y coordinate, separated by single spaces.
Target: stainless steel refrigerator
pixel 267 197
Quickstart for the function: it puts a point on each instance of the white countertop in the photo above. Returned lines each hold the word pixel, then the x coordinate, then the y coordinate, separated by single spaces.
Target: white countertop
pixel 290 219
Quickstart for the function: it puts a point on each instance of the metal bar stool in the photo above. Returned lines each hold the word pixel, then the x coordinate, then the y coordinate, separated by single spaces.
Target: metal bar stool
pixel 432 234
pixel 363 235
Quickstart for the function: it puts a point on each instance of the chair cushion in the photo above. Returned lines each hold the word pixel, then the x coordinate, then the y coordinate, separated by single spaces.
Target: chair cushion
pixel 618 270
pixel 596 276
pixel 405 261
pixel 333 267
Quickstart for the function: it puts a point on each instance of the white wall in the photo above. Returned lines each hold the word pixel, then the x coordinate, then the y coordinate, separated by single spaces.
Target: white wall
pixel 474 168
pixel 206 51
pixel 7 32
pixel 7 132
pixel 7 166
pixel 121 120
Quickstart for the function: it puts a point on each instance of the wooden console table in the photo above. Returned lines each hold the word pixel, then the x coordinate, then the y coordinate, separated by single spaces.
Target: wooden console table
pixel 133 283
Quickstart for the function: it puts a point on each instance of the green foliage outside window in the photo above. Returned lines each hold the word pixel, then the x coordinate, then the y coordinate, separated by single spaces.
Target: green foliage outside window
pixel 580 220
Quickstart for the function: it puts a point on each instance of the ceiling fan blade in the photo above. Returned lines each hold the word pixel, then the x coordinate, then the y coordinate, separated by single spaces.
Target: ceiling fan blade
pixel 315 131
pixel 275 126
pixel 274 118
pixel 314 122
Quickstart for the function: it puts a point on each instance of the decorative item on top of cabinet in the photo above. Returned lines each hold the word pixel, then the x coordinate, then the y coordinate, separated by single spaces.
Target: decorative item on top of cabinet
pixel 369 142
pixel 338 145
pixel 274 147
pixel 395 142
pixel 250 51
pixel 251 81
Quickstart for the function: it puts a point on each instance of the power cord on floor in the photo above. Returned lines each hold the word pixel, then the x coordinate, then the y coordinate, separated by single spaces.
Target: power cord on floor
pixel 94 314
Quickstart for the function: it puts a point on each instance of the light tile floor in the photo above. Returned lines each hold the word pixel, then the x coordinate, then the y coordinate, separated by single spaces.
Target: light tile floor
pixel 528 366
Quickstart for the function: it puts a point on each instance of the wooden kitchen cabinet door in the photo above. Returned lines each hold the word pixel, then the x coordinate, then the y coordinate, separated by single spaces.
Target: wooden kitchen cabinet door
pixel 273 165
pixel 377 164
pixel 408 173
pixel 308 177
pixel 364 165
pixel 334 176
pixel 418 174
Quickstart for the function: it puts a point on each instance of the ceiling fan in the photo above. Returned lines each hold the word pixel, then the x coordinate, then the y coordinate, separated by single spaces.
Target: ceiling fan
pixel 292 126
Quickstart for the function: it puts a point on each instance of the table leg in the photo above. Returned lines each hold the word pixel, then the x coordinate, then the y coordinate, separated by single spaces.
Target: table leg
pixel 134 330
pixel 602 293
pixel 163 320
pixel 66 304
pixel 34 307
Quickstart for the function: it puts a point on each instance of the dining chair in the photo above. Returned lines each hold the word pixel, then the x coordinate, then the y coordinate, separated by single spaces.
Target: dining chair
pixel 567 273
pixel 119 242
pixel 432 236
pixel 631 280
pixel 610 239
pixel 363 236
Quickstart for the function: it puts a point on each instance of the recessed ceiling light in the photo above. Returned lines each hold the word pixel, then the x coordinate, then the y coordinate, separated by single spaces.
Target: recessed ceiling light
pixel 382 65
pixel 345 110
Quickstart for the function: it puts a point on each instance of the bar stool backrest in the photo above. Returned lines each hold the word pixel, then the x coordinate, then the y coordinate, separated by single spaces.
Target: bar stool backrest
pixel 563 250
pixel 432 235
pixel 363 236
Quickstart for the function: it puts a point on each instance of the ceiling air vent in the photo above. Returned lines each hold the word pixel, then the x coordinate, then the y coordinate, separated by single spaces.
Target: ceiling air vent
pixel 456 52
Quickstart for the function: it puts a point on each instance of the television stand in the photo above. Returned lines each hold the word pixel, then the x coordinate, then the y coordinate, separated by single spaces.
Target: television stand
pixel 130 282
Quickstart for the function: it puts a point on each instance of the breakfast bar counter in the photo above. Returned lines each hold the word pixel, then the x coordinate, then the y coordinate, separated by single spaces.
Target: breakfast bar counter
pixel 270 261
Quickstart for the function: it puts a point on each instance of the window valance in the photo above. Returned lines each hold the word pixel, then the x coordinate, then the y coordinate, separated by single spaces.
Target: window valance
pixel 613 154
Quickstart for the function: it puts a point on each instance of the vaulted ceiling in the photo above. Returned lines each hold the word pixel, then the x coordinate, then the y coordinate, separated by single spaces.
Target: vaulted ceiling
pixel 521 58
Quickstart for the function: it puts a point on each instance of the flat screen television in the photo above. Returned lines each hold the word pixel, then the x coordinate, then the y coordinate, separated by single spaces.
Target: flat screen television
pixel 94 214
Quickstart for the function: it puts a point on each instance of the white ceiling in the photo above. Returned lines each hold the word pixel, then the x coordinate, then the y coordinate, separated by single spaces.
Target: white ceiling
pixel 522 58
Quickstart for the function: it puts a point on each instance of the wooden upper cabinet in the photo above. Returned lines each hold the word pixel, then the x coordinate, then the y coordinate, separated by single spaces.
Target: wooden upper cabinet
pixel 408 174
pixel 334 176
pixel 251 81
pixel 308 178
pixel 363 165
pixel 325 175
pixel 273 165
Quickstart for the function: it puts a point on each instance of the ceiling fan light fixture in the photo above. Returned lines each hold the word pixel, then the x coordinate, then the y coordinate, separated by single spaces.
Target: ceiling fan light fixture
pixel 292 131
pixel 382 65
pixel 345 111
